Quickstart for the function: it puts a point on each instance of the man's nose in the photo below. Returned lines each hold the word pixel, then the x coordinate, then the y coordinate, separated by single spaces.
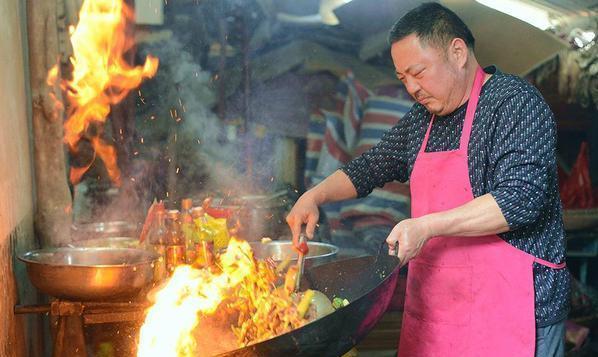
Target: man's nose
pixel 412 87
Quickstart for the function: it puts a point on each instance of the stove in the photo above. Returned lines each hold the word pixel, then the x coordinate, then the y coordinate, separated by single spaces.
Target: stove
pixel 68 319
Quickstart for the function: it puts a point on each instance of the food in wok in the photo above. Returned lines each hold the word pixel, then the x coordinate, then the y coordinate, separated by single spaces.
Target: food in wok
pixel 234 303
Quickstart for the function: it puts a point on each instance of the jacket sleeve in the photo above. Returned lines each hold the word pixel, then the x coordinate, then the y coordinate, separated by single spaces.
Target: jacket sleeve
pixel 522 157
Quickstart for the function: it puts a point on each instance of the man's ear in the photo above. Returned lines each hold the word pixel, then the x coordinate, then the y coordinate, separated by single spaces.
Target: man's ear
pixel 458 52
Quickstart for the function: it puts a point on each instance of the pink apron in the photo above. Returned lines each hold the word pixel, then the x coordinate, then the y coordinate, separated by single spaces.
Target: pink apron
pixel 466 296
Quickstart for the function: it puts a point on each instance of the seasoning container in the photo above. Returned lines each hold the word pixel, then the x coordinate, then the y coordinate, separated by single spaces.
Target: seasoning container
pixel 197 212
pixel 203 242
pixel 157 241
pixel 188 229
pixel 175 244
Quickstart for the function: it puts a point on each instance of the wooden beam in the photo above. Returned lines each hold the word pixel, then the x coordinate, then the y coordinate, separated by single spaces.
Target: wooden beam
pixel 52 195
pixel 311 57
pixel 374 45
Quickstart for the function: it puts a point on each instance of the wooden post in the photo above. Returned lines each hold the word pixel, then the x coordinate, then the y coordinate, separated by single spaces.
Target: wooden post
pixel 222 27
pixel 52 195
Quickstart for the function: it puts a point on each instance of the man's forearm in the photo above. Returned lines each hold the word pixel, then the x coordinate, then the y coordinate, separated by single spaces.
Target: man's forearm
pixel 336 187
pixel 479 217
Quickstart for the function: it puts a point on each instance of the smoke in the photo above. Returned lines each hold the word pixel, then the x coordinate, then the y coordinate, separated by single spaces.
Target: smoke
pixel 181 131
pixel 181 148
pixel 182 94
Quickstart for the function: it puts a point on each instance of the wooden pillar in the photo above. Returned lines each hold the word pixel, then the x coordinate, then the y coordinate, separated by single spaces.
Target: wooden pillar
pixel 52 196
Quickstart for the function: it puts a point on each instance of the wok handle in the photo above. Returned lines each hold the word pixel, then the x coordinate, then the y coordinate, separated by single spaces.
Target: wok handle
pixel 394 252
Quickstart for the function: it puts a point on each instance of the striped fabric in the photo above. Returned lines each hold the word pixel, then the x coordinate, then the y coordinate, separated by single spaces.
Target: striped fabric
pixel 390 204
pixel 331 140
pixel 335 137
pixel 315 140
pixel 332 135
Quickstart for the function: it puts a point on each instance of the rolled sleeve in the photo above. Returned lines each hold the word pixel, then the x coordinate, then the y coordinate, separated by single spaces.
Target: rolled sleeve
pixel 522 155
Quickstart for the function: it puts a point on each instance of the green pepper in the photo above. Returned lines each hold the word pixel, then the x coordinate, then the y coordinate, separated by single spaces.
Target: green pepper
pixel 337 302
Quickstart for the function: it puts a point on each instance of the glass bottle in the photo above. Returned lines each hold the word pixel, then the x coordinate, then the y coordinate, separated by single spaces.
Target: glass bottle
pixel 175 244
pixel 188 229
pixel 203 240
pixel 157 242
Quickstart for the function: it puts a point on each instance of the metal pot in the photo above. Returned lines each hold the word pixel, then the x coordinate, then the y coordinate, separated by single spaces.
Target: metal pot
pixel 257 216
pixel 108 242
pixel 90 274
pixel 92 230
pixel 319 253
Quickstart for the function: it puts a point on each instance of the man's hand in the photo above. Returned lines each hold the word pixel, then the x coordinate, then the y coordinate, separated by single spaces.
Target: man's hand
pixel 410 235
pixel 305 211
pixel 336 187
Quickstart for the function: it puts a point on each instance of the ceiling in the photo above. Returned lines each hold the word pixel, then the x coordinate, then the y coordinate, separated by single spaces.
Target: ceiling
pixel 391 9
pixel 572 6
pixel 514 45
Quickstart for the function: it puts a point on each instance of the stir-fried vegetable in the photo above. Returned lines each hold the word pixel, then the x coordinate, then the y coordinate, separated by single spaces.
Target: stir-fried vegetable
pixel 305 303
pixel 338 302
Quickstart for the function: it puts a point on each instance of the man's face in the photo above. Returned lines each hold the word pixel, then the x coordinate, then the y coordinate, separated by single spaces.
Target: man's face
pixel 432 77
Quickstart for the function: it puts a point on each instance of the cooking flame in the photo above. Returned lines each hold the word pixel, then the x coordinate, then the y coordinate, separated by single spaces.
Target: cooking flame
pixel 101 77
pixel 242 287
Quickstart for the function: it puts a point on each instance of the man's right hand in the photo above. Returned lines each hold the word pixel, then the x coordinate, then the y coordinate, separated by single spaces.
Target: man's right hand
pixel 305 211
pixel 336 187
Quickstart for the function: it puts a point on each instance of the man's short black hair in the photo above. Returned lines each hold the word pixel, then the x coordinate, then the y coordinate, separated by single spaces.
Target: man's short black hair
pixel 433 24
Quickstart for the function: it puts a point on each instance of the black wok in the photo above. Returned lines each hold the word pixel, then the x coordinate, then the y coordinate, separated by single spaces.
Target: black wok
pixel 367 282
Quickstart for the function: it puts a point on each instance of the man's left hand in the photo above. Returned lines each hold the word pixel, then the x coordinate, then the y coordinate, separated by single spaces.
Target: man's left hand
pixel 410 235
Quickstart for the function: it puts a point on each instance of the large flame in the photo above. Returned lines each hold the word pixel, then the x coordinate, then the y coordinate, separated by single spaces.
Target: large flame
pixel 242 286
pixel 101 76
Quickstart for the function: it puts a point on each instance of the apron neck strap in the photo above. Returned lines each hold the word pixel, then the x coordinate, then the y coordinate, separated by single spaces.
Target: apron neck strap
pixel 474 97
pixel 472 104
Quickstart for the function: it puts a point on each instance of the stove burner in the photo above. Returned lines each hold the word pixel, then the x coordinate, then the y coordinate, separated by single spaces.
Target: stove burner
pixel 72 316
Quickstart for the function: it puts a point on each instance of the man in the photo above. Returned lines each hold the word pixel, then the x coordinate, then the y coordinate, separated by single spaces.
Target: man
pixel 485 244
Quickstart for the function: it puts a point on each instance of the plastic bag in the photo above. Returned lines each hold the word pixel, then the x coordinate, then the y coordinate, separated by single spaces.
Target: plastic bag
pixel 576 188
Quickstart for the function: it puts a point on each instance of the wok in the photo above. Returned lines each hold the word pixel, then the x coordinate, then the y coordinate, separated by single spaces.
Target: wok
pixel 367 282
pixel 90 274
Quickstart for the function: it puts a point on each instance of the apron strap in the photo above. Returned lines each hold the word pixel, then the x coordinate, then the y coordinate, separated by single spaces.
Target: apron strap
pixel 474 97
pixel 422 149
pixel 546 263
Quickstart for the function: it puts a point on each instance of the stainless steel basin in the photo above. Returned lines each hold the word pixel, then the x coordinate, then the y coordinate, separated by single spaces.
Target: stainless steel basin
pixel 108 242
pixel 90 274
pixel 278 250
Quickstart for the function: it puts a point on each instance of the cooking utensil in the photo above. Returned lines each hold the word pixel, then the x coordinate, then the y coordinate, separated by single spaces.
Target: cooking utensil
pixel 108 242
pixel 369 287
pixel 302 250
pixel 90 274
pixel 280 250
pixel 82 231
pixel 256 216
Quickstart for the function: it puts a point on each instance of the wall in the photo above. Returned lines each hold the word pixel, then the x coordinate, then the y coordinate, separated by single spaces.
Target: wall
pixel 16 202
